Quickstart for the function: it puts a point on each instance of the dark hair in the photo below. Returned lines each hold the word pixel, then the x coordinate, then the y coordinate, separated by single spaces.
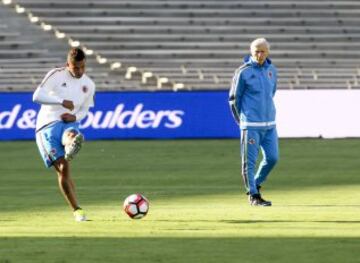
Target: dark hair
pixel 76 54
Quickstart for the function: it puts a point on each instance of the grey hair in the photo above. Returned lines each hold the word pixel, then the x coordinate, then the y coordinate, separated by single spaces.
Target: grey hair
pixel 259 41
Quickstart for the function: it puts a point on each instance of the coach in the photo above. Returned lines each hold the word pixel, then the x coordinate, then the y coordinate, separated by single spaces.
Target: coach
pixel 252 105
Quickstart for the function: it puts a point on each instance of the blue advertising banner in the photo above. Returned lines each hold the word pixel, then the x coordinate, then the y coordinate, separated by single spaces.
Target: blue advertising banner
pixel 121 115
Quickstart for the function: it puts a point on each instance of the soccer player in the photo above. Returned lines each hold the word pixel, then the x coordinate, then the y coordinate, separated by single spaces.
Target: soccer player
pixel 65 95
pixel 252 105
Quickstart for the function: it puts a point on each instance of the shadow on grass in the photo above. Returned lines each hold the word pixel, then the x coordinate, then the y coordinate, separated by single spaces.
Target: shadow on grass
pixel 170 170
pixel 315 205
pixel 289 221
pixel 257 221
pixel 208 250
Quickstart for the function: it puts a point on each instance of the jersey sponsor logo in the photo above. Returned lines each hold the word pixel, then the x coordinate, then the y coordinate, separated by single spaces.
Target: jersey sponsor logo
pixel 120 117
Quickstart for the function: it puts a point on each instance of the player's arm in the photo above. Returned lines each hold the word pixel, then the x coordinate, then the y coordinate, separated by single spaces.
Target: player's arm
pixel 42 93
pixel 235 95
pixel 84 109
pixel 275 87
pixel 78 116
pixel 42 97
pixel 68 117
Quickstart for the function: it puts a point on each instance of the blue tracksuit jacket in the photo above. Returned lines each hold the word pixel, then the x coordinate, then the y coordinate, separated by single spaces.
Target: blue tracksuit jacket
pixel 251 94
pixel 251 102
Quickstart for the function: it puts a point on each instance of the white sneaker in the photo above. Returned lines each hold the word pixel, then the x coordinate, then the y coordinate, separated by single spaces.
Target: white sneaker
pixel 73 148
pixel 79 215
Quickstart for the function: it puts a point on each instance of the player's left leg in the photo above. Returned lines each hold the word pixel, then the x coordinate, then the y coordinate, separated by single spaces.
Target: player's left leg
pixel 66 183
pixel 49 142
pixel 270 150
pixel 67 187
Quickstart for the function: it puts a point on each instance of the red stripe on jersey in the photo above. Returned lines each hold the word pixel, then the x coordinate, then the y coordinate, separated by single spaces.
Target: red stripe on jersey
pixel 52 72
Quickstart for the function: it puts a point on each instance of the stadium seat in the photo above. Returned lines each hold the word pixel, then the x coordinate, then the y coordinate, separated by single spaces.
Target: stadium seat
pixel 197 43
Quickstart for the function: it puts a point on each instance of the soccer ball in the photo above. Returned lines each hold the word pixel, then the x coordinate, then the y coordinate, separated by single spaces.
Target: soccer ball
pixel 136 206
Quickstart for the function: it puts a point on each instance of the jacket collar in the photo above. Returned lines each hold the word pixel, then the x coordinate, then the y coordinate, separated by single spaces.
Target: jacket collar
pixel 249 60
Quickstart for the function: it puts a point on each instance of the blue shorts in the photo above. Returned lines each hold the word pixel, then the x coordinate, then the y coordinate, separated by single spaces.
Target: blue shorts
pixel 48 140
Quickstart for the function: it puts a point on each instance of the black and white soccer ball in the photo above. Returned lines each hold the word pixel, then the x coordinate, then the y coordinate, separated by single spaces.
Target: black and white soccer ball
pixel 136 206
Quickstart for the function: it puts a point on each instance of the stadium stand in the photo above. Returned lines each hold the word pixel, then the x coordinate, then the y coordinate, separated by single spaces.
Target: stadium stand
pixel 183 44
pixel 27 53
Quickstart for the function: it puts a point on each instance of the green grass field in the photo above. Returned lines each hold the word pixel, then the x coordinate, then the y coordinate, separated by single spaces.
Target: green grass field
pixel 198 209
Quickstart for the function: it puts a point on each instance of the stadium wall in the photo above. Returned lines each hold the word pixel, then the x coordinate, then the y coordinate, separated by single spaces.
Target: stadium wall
pixel 197 114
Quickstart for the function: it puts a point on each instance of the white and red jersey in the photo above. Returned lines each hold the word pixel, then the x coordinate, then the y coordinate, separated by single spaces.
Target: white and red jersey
pixel 57 86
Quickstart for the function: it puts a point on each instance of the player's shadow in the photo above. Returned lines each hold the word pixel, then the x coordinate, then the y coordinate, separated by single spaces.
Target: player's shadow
pixel 258 221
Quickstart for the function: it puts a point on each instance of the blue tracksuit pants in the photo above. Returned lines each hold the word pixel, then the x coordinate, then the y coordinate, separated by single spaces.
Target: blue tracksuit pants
pixel 252 141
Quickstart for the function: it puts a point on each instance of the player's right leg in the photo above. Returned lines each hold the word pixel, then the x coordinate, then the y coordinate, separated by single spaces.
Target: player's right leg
pixel 250 144
pixel 49 144
pixel 72 139
pixel 249 153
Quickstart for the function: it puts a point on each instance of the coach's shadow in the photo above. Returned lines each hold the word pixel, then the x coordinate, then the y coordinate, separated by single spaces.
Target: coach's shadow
pixel 288 221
